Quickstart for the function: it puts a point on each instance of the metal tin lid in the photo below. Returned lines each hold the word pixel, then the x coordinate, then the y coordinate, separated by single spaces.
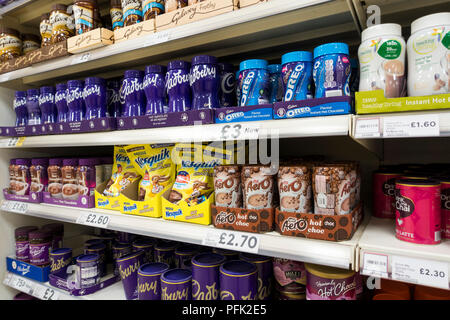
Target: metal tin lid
pixel 253 64
pixel 70 162
pixel 296 56
pixel 55 162
pixel 23 231
pixel 225 252
pixel 186 249
pixel 208 259
pixel 176 276
pixel 130 255
pixel 204 59
pixel 254 258
pixel 153 268
pixel 121 246
pixel 328 272
pixel 60 251
pixel 238 268
pixel 90 257
pixel 178 64
pixel 133 74
pixel 74 83
pixel 23 162
pixel 32 92
pixel 223 66
pixel 331 48
pixel 20 94
pixel 418 182
pixel 155 68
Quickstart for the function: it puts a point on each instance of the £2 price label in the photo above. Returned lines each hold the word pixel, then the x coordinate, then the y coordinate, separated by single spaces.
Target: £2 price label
pixel 94 220
pixel 233 240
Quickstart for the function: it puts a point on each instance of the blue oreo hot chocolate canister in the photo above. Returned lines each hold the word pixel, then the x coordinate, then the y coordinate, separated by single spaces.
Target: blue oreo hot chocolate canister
pixel 227 96
pixel 20 107
pixel 154 88
pixel 149 280
pixel 332 70
pixel 34 113
pixel 176 284
pixel 253 82
pixel 178 86
pixel 95 100
pixel 204 80
pixel 297 75
pixel 238 280
pixel 132 94
pixel 275 83
pixel 61 102
pixel 75 101
pixel 205 276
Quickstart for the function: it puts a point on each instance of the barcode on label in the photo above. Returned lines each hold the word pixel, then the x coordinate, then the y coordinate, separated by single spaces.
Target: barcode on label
pixel 380 263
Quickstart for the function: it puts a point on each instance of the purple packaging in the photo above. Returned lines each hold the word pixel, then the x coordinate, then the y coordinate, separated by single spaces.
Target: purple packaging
pixel 227 97
pixel 125 237
pixel 132 94
pixel 23 243
pixel 61 103
pixel 47 104
pixel 40 252
pixel 145 245
pixel 149 280
pixel 75 101
pixel 238 280
pixel 204 81
pixel 99 249
pixel 95 100
pixel 176 284
pixel 154 88
pixel 57 231
pixel 297 75
pixel 205 276
pixel 177 86
pixel 92 242
pixel 228 254
pixel 34 113
pixel 165 252
pixel 183 256
pixel 253 82
pixel 87 274
pixel 22 176
pixel 60 259
pixel 38 174
pixel 86 175
pixel 20 107
pixel 119 250
pixel 113 98
pixel 55 177
pixel 265 274
pixel 128 268
pixel 332 70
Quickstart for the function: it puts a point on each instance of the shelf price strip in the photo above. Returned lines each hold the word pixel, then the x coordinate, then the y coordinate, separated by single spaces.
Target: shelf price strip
pixel 29 287
pixel 375 265
pixel 237 131
pixel 232 240
pixel 426 125
pixel 94 220
pixel 14 206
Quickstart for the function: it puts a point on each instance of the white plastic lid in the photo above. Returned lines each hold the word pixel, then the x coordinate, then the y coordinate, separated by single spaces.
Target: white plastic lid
pixel 385 29
pixel 431 20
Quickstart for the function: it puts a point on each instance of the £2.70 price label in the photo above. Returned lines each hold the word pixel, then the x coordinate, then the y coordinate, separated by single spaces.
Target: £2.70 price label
pixel 94 220
pixel 232 240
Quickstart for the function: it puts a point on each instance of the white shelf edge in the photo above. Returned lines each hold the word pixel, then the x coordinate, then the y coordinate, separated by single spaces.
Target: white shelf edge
pixel 335 254
pixel 13 6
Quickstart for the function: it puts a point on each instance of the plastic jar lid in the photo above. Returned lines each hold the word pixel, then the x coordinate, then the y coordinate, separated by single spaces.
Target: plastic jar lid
pixel 70 162
pixel 331 48
pixel 176 276
pixel 146 243
pixel 223 66
pixel 153 268
pixel 253 64
pixel 178 64
pixel 418 182
pixel 204 59
pixel 274 68
pixel 39 161
pixel 166 245
pixel 61 86
pixel 23 162
pixel 60 251
pixel 328 272
pixel 55 162
pixel 23 231
pixel 296 56
pixel 88 257
pixel 429 21
pixel 379 30
pixel 155 68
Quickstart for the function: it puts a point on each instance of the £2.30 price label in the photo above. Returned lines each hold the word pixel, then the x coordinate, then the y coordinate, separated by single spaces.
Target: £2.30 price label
pixel 232 240
pixel 94 219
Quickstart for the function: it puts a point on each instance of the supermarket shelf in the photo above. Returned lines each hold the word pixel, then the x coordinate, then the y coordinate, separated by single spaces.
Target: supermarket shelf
pixel 337 254
pixel 37 289
pixel 287 128
pixel 379 239
pixel 13 6
pixel 257 27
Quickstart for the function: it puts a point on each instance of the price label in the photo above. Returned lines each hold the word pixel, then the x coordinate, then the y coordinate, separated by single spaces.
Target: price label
pixel 375 265
pixel 7 279
pixel 411 126
pixel 232 240
pixel 84 57
pixel 420 271
pixel 94 220
pixel 46 293
pixel 17 207
pixel 238 131
pixel 367 128
pixel 158 37
pixel 5 205
pixel 21 284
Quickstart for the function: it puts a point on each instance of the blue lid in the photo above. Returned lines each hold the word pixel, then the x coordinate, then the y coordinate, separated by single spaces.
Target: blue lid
pixel 296 56
pixel 176 275
pixel 237 268
pixel 204 59
pixel 153 268
pixel 61 251
pixel 178 64
pixel 254 258
pixel 186 249
pixel 74 83
pixel 32 92
pixel 88 257
pixel 208 259
pixel 155 68
pixel 253 64
pixel 144 243
pixel 131 255
pixel 166 245
pixel 20 94
pixel 274 68
pixel 330 48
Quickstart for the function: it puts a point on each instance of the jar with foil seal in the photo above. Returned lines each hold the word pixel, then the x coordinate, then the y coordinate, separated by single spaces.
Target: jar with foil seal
pixel 152 8
pixel 84 15
pixel 116 14
pixel 172 5
pixel 62 23
pixel 45 28
pixel 30 42
pixel 10 44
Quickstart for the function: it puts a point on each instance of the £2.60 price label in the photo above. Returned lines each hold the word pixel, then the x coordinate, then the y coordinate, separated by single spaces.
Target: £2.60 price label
pixel 94 219
pixel 232 240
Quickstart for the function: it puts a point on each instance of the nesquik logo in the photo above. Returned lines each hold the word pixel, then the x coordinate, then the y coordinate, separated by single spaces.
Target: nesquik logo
pixel 225 217
pixel 292 224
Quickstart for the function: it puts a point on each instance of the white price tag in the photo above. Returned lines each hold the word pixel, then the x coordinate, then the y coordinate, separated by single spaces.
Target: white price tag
pixel 158 37
pixel 426 125
pixel 367 128
pixel 80 58
pixel 232 240
pixel 5 205
pixel 238 131
pixel 375 264
pixel 46 293
pixel 94 219
pixel 7 279
pixel 17 207
pixel 21 284
pixel 420 271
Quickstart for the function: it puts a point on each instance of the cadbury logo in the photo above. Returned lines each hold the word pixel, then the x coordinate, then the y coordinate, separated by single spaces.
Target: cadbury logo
pixel 205 71
pixel 60 96
pixel 74 94
pixel 20 102
pixel 292 224
pixel 225 217
pixel 211 293
pixel 151 80
pixel 46 98
pixel 176 78
pixel 91 90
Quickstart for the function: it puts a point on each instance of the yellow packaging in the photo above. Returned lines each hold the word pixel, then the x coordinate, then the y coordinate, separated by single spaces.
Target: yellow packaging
pixel 123 173
pixel 154 164
pixel 112 203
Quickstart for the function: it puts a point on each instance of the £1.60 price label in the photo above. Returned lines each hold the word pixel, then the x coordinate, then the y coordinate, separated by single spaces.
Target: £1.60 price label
pixel 94 219
pixel 426 125
pixel 232 240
